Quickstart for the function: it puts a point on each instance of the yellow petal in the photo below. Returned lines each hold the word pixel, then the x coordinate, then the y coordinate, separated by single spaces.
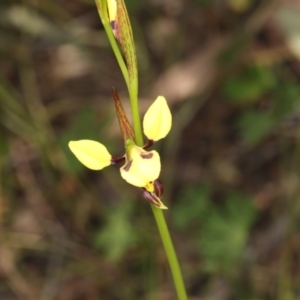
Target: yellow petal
pixel 112 10
pixel 158 120
pixel 91 154
pixel 141 167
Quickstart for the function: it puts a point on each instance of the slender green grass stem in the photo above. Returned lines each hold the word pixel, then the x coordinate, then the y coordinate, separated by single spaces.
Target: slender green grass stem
pixel 170 252
pixel 102 9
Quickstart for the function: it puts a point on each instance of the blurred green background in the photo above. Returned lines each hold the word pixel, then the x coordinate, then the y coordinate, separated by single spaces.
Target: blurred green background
pixel 230 71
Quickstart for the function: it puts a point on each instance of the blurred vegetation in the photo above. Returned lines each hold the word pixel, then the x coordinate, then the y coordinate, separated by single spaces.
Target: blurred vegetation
pixel 230 71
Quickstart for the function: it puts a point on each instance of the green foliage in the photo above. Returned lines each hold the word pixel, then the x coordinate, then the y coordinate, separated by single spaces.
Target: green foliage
pixel 3 146
pixel 255 126
pixel 224 232
pixel 220 231
pixel 118 233
pixel 248 86
pixel 193 205
pixel 287 96
pixel 132 5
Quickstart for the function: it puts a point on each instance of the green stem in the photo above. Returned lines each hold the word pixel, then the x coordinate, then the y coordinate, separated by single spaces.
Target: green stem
pixel 135 111
pixel 132 85
pixel 102 10
pixel 158 214
pixel 170 252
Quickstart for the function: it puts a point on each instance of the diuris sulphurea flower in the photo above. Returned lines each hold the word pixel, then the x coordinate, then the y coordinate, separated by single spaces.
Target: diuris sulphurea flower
pixel 141 167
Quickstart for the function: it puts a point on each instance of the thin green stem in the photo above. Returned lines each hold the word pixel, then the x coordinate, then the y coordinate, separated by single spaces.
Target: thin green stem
pixel 170 252
pixel 132 85
pixel 102 10
pixel 135 111
pixel 158 214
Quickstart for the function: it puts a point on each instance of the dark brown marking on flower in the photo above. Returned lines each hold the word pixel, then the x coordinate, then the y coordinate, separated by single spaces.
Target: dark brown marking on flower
pixel 148 144
pixel 147 156
pixel 158 188
pixel 116 160
pixel 113 24
pixel 146 195
pixel 127 166
pixel 151 197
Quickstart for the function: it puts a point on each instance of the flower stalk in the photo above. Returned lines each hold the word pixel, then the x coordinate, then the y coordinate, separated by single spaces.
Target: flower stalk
pixel 117 25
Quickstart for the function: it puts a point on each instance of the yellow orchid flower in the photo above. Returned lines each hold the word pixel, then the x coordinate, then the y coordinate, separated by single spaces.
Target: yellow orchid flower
pixel 141 168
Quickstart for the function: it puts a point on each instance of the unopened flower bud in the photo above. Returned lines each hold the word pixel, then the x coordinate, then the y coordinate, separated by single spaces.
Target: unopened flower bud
pixel 158 188
pixel 154 197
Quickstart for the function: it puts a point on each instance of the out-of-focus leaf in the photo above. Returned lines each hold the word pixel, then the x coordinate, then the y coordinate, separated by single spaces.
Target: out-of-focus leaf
pixel 132 4
pixel 191 207
pixel 287 95
pixel 3 145
pixel 118 234
pixel 249 86
pixel 224 232
pixel 254 126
